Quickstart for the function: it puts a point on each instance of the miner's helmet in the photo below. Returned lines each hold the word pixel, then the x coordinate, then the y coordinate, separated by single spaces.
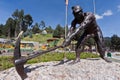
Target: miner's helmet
pixel 76 9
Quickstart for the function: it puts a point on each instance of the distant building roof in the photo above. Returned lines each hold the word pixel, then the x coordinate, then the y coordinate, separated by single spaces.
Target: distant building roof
pixel 52 39
pixel 2 40
pixel 44 32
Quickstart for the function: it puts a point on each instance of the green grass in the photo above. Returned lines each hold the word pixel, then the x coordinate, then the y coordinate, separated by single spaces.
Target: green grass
pixel 53 56
pixel 7 61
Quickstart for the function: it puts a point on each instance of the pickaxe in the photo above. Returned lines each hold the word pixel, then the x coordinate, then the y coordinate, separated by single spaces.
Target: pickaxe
pixel 19 61
pixel 17 55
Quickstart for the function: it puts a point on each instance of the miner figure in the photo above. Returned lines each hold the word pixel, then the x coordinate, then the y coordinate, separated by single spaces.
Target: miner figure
pixel 89 28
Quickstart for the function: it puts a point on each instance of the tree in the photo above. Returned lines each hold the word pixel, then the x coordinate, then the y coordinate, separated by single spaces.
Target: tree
pixel 17 16
pixel 35 28
pixel 26 22
pixel 107 42
pixel 10 28
pixel 42 25
pixel 49 29
pixel 1 29
pixel 28 19
pixel 59 31
pixel 115 42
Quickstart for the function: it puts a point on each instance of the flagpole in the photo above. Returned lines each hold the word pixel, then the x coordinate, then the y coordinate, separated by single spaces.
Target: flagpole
pixel 66 14
pixel 94 6
pixel 66 24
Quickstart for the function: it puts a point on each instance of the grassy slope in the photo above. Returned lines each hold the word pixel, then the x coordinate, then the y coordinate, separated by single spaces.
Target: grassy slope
pixel 38 38
pixel 41 38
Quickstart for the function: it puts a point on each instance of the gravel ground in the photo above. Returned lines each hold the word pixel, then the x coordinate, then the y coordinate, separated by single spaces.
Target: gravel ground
pixel 84 70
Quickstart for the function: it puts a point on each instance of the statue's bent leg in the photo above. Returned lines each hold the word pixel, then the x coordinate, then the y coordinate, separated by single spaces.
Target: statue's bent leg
pixel 101 47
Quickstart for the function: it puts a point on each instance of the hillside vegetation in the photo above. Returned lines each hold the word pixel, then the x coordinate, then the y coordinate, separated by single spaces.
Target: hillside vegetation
pixel 41 38
pixel 38 38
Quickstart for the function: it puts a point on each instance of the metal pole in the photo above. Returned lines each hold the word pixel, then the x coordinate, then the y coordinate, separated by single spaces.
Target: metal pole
pixel 94 7
pixel 66 14
pixel 66 25
pixel 66 21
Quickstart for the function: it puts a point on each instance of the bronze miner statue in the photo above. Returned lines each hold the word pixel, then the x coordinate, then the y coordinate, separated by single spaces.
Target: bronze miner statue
pixel 88 25
pixel 89 28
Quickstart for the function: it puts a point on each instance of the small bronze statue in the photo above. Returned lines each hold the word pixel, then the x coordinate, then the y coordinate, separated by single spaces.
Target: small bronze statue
pixel 88 25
